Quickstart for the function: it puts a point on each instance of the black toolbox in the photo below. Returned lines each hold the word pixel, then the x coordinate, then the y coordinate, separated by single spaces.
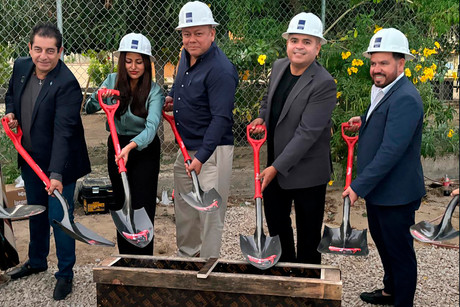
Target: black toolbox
pixel 96 195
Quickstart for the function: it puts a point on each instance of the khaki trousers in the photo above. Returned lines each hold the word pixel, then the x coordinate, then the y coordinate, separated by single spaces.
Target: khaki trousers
pixel 201 232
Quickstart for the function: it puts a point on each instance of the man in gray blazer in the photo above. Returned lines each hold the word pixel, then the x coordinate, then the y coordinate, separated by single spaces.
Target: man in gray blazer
pixel 297 113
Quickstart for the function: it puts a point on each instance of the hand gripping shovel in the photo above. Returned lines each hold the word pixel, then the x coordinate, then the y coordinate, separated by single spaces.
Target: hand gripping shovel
pixel 134 225
pixel 208 201
pixel 345 240
pixel 260 251
pixel 75 230
pixel 429 233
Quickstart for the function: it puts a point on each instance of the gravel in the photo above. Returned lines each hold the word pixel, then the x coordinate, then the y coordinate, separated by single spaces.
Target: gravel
pixel 438 268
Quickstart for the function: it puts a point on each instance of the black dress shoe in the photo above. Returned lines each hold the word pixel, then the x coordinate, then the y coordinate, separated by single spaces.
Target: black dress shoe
pixel 24 270
pixel 62 289
pixel 377 298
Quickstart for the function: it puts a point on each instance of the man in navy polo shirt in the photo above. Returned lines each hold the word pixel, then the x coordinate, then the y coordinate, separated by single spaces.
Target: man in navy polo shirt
pixel 203 96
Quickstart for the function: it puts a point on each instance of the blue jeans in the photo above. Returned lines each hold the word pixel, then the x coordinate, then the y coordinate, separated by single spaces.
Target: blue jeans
pixel 39 225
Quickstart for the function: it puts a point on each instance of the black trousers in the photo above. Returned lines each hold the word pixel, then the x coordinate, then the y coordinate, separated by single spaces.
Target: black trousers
pixel 142 171
pixel 309 212
pixel 389 228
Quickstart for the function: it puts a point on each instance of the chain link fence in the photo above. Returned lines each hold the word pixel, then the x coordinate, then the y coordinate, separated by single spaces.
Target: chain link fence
pixel 92 30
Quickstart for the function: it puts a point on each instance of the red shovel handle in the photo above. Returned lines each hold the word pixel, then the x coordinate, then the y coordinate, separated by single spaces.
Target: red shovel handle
pixel 351 141
pixel 110 111
pixel 256 144
pixel 16 138
pixel 170 119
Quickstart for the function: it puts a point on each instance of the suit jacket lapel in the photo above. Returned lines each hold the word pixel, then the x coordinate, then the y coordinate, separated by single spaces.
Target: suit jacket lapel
pixel 25 76
pixel 48 83
pixel 274 81
pixel 303 81
pixel 385 98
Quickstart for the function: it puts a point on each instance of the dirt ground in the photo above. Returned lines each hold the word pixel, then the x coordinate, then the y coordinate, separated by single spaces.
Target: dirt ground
pixel 432 207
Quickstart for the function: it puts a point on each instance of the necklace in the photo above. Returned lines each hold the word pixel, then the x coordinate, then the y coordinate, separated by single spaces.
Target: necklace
pixel 40 81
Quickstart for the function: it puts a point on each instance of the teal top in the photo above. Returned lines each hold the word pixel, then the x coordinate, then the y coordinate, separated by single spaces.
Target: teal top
pixel 144 129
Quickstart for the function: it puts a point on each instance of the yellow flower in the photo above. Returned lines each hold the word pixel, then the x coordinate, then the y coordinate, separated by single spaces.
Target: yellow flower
pixel 345 55
pixel 418 67
pixel 423 79
pixel 408 72
pixel 246 75
pixel 335 80
pixel 414 80
pixel 354 69
pixel 454 75
pixel 349 71
pixel 262 59
pixel 414 52
pixel 428 73
pixel 377 28
pixel 437 45
pixel 451 133
pixel 339 94
pixel 433 66
pixel 422 59
pixel 356 62
pixel 331 182
pixel 427 52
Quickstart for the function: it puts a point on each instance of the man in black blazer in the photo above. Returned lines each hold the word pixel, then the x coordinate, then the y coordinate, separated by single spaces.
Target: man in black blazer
pixel 297 112
pixel 44 98
pixel 389 171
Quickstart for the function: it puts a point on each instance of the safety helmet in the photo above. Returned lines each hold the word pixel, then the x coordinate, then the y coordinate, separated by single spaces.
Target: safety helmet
pixel 389 40
pixel 195 13
pixel 135 42
pixel 306 23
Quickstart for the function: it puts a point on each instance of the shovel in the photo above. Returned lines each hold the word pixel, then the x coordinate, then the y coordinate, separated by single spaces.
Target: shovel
pixel 74 230
pixel 208 201
pixel 260 251
pixel 345 240
pixel 134 225
pixel 429 233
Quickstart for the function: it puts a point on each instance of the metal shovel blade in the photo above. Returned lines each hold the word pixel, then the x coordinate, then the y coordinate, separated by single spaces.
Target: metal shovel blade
pixel 77 230
pixel 429 233
pixel 208 201
pixel 259 250
pixel 134 225
pixel 344 240
pixel 20 211
pixel 138 231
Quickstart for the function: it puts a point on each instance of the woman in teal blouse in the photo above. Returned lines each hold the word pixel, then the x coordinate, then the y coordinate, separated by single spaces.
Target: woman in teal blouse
pixel 136 120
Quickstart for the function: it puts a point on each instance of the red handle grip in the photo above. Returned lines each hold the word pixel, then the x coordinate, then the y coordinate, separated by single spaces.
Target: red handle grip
pixel 16 139
pixel 351 141
pixel 183 149
pixel 110 111
pixel 256 144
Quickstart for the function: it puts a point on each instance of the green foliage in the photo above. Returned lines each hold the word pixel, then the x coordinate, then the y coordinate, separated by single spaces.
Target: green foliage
pixel 8 158
pixel 100 65
pixel 6 54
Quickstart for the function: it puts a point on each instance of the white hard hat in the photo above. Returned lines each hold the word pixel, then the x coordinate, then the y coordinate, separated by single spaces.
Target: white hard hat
pixel 135 42
pixel 389 40
pixel 306 23
pixel 195 13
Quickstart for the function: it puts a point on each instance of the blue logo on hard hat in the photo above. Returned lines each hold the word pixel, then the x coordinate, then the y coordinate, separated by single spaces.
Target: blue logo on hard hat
pixel 301 25
pixel 188 17
pixel 377 42
pixel 134 44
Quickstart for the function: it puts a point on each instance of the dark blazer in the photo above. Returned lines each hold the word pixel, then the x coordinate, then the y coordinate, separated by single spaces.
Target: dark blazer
pixel 56 132
pixel 303 132
pixel 389 171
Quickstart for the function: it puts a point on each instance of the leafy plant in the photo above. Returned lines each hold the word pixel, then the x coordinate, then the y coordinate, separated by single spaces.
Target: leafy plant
pixel 100 65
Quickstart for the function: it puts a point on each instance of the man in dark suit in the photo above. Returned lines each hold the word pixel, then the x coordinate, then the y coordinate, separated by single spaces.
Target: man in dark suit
pixel 297 113
pixel 44 99
pixel 389 171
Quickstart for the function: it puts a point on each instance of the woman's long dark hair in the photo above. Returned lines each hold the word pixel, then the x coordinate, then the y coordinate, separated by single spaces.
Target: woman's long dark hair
pixel 137 98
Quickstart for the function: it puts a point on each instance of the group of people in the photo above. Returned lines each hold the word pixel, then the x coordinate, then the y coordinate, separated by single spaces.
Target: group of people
pixel 45 98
